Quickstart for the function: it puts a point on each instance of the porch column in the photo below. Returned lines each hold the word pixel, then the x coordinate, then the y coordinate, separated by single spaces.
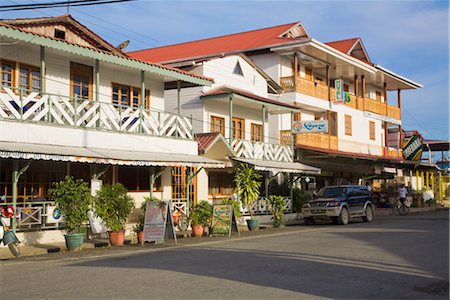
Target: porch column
pixel 230 123
pixel 263 119
pixel 399 105
pixel 385 97
pixel 142 103
pixel 329 128
pixel 15 180
pixel 97 80
pixel 417 180
pixel 356 85
pixel 292 136
pixel 178 97
pixel 294 78
pixel 42 69
pixel 327 76
pixel 363 90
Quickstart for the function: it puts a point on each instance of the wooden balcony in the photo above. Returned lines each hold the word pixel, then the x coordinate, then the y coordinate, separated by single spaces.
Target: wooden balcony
pixel 317 140
pixel 393 152
pixel 304 86
pixel 394 112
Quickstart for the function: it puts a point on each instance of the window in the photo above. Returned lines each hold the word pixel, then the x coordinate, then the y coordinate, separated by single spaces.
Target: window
pixel 238 129
pixel 30 79
pixel 298 116
pixel 372 130
pixel 348 125
pixel 179 177
pixel 60 34
pixel 378 96
pixel 124 96
pixel 256 133
pixel 218 125
pixel 7 73
pixel 81 81
pixel 238 70
pixel 220 183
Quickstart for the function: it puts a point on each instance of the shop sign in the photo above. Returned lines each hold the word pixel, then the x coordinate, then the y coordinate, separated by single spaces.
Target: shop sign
pixel 223 220
pixel 310 126
pixel 371 115
pixel 412 150
pixel 339 88
pixel 158 222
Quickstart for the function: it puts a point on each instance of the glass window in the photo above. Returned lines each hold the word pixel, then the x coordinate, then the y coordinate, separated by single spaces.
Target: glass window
pixel 7 74
pixel 218 125
pixel 256 133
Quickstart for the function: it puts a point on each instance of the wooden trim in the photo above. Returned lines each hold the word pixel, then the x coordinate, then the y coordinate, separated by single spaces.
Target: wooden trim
pixel 256 132
pixel 235 133
pixel 348 125
pixel 372 133
pixel 13 71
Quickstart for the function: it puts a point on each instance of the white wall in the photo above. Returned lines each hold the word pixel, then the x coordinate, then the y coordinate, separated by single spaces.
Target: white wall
pixel 269 63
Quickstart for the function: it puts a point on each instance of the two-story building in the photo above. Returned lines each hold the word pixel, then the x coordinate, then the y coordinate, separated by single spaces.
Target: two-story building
pixel 72 104
pixel 231 119
pixel 357 111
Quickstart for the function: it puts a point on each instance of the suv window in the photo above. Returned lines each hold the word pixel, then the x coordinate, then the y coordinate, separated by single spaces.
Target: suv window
pixel 332 192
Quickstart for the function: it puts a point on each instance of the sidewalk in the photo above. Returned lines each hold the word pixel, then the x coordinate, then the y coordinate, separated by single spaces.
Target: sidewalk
pixel 42 249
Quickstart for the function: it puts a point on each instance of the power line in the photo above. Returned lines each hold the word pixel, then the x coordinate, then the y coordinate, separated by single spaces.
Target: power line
pixel 4 8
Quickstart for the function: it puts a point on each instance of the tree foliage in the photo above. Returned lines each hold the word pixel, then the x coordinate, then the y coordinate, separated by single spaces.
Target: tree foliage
pixel 248 183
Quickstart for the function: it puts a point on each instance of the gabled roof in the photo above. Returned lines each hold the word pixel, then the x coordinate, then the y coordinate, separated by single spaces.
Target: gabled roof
pixel 206 140
pixel 35 25
pixel 232 43
pixel 353 47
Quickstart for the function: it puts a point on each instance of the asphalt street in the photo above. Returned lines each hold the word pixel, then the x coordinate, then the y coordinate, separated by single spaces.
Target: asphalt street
pixel 390 258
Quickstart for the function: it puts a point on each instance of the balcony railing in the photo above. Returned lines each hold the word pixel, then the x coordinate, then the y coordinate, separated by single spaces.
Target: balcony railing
pixel 320 91
pixel 84 113
pixel 317 140
pixel 263 151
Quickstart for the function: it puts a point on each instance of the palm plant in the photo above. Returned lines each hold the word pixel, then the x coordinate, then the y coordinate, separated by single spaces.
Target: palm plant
pixel 248 183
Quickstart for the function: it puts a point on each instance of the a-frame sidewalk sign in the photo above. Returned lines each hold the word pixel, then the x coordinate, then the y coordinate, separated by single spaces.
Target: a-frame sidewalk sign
pixel 224 220
pixel 158 223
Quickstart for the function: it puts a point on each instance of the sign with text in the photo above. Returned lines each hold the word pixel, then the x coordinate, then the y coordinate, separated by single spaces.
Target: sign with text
pixel 412 150
pixel 310 126
pixel 158 222
pixel 223 220
pixel 339 87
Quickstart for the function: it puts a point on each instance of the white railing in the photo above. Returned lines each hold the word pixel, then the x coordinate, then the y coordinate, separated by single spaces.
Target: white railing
pixel 179 206
pixel 263 151
pixel 262 207
pixel 84 113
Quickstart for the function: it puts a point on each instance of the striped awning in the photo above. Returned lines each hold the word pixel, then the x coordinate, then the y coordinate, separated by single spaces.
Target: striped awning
pixel 103 156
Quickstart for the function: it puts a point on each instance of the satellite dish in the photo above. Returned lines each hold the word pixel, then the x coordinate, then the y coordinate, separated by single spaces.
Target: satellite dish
pixel 123 45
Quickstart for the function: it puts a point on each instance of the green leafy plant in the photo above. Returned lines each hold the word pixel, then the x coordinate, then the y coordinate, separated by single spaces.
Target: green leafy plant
pixel 114 205
pixel 236 206
pixel 300 197
pixel 74 199
pixel 248 183
pixel 278 207
pixel 201 214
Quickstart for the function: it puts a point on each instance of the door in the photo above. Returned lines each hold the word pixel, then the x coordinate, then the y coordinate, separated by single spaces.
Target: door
pixel 81 81
pixel 179 178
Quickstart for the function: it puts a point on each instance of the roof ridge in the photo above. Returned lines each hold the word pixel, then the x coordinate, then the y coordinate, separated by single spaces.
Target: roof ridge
pixel 215 37
pixel 349 39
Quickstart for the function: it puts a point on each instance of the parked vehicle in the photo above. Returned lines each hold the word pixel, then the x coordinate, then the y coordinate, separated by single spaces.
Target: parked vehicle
pixel 340 203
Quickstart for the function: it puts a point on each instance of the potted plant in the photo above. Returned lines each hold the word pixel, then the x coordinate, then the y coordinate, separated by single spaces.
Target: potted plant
pixel 74 200
pixel 113 205
pixel 247 180
pixel 277 207
pixel 200 217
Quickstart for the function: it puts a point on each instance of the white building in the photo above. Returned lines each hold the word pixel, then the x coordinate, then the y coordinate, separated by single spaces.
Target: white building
pixel 72 104
pixel 356 143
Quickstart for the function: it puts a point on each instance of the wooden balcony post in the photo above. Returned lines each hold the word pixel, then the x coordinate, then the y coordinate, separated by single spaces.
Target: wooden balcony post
pixel 363 90
pixel 263 119
pixel 295 70
pixel 356 90
pixel 329 129
pixel 328 83
pixel 385 97
pixel 42 69
pixel 230 123
pixel 399 104
pixel 97 80
pixel 178 97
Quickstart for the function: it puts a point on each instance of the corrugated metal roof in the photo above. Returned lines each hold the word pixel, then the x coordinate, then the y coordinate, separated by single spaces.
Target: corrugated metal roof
pixel 237 42
pixel 279 166
pixel 343 45
pixel 103 156
pixel 204 140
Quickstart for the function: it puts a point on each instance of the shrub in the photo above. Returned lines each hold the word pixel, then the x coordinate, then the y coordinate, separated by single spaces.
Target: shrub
pixel 300 197
pixel 278 207
pixel 236 206
pixel 202 213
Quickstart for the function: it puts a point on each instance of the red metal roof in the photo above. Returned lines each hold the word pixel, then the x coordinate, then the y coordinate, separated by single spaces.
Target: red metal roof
pixel 343 45
pixel 204 140
pixel 230 90
pixel 237 42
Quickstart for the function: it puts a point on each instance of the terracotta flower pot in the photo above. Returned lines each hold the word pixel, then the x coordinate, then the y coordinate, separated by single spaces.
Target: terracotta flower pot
pixel 197 230
pixel 116 238
pixel 140 237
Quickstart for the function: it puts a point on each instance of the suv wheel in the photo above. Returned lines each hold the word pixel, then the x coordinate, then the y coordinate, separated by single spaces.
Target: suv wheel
pixel 368 214
pixel 344 216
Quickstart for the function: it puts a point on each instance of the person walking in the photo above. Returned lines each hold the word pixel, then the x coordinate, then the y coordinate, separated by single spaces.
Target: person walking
pixel 402 192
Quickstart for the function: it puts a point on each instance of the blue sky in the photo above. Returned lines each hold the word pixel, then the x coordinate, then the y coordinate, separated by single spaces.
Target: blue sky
pixel 410 38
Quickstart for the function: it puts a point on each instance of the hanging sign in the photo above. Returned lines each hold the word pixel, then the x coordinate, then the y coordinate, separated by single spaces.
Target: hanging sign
pixel 310 126
pixel 223 220
pixel 339 88
pixel 412 149
pixel 375 116
pixel 158 222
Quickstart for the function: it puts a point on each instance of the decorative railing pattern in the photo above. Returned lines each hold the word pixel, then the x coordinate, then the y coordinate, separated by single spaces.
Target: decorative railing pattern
pixel 84 113
pixel 262 207
pixel 36 215
pixel 263 151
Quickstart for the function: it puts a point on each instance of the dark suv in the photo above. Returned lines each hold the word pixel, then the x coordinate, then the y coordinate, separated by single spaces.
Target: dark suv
pixel 340 203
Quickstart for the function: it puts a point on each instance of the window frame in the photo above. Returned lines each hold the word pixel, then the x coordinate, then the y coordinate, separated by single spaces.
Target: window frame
pixel 234 122
pixel 133 92
pixel 256 132
pixel 13 72
pixel 30 88
pixel 372 130
pixel 348 125
pixel 213 125
pixel 83 70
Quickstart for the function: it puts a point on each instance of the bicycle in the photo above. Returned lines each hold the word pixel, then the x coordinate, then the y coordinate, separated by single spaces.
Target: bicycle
pixel 401 209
